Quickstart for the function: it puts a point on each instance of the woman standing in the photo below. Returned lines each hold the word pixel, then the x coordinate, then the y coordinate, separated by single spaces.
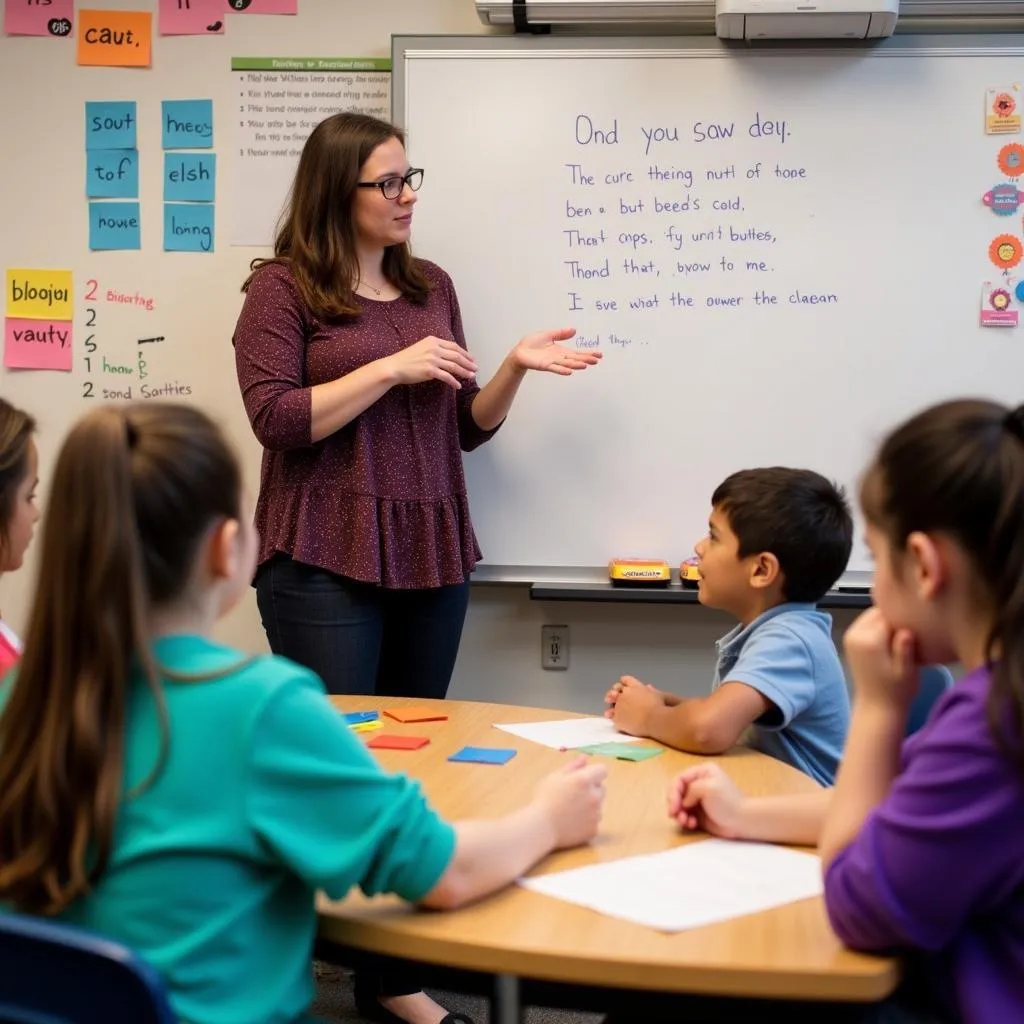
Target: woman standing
pixel 357 381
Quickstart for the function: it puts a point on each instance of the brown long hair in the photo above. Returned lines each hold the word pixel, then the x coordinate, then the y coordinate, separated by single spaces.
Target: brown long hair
pixel 316 238
pixel 134 490
pixel 16 429
pixel 958 468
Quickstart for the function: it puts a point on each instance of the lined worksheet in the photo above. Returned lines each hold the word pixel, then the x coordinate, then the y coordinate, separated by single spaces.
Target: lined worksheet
pixel 697 884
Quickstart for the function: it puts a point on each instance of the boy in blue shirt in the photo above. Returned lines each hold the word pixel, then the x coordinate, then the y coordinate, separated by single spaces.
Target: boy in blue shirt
pixel 777 539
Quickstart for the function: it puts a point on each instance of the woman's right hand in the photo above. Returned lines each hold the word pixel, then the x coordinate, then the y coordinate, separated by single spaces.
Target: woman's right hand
pixel 432 359
pixel 704 797
pixel 573 799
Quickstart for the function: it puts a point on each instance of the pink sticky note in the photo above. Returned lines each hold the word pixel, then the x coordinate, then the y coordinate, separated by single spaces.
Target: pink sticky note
pixel 37 344
pixel 24 18
pixel 191 17
pixel 263 6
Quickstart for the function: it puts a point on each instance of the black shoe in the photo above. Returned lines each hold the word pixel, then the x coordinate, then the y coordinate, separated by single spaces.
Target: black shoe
pixel 370 1007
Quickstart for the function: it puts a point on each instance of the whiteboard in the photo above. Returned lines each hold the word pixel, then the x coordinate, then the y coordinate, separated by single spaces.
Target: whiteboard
pixel 848 186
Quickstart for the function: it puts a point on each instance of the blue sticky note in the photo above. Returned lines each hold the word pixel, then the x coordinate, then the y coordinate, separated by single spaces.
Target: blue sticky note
pixel 483 755
pixel 110 125
pixel 190 177
pixel 188 227
pixel 187 124
pixel 112 173
pixel 114 226
pixel 358 717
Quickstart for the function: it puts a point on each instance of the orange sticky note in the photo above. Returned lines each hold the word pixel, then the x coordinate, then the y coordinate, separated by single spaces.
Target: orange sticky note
pixel 408 715
pixel 388 742
pixel 121 39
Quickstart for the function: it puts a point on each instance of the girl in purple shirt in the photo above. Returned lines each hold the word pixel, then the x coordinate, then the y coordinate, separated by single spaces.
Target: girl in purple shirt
pixel 922 839
pixel 356 378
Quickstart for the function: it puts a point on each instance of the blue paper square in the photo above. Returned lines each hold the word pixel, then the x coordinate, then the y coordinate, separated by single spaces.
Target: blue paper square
pixel 188 227
pixel 187 124
pixel 190 177
pixel 359 717
pixel 110 125
pixel 112 173
pixel 484 755
pixel 114 226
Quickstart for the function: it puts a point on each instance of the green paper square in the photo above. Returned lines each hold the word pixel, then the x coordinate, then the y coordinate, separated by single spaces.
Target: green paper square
pixel 622 751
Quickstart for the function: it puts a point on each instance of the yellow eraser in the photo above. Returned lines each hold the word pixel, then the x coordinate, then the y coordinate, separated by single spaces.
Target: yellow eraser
pixel 639 570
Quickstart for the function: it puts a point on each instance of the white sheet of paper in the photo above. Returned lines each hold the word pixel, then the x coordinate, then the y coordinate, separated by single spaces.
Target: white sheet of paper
pixel 693 885
pixel 570 732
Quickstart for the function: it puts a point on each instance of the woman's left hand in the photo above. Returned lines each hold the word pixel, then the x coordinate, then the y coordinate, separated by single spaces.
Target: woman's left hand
pixel 541 351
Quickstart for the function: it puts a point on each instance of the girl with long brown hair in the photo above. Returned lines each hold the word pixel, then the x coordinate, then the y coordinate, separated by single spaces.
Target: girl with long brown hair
pixel 179 796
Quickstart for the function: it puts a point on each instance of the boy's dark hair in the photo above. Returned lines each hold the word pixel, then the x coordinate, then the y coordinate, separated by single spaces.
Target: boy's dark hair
pixel 798 515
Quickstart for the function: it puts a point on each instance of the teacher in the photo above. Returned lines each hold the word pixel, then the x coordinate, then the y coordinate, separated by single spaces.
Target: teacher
pixel 356 379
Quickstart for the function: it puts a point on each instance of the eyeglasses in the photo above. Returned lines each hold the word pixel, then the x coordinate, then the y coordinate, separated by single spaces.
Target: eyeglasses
pixel 392 188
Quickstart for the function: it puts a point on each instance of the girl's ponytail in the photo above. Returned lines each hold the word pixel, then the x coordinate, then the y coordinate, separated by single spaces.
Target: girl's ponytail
pixel 134 490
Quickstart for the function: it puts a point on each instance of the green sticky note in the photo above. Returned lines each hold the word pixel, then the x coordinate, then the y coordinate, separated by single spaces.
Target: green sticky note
pixel 623 751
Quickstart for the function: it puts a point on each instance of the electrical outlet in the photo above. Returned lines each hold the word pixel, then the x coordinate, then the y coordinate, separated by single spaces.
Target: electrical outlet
pixel 554 647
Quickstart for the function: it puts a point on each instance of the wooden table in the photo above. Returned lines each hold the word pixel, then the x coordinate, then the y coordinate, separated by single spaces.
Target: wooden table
pixel 789 952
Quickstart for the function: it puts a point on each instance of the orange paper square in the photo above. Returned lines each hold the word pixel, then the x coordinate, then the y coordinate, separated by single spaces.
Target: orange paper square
pixel 409 715
pixel 121 39
pixel 388 742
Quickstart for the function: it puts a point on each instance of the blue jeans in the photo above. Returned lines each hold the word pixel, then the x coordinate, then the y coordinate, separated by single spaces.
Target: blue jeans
pixel 358 637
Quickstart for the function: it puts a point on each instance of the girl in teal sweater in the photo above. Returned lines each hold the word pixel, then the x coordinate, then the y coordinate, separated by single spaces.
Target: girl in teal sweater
pixel 183 798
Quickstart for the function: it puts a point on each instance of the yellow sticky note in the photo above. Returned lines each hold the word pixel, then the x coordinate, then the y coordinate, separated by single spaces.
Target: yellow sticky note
pixel 121 39
pixel 39 294
pixel 367 726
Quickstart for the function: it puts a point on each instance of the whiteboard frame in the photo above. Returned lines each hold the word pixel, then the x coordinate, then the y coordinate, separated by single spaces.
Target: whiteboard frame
pixel 407 48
